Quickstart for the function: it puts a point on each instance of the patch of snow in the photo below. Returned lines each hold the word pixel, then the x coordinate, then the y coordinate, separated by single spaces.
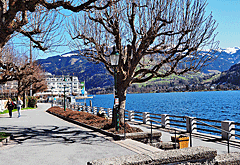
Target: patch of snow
pixel 231 50
pixel 68 54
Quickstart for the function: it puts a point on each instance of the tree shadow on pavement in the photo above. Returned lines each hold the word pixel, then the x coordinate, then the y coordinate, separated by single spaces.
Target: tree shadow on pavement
pixel 48 135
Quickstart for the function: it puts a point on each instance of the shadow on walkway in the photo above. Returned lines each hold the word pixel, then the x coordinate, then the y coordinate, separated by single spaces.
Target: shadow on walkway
pixel 48 135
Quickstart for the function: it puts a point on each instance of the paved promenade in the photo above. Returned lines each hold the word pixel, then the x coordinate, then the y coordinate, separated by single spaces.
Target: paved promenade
pixel 45 139
pixel 42 138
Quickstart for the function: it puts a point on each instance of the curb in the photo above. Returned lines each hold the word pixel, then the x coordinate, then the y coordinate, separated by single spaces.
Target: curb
pixel 134 136
pixel 114 136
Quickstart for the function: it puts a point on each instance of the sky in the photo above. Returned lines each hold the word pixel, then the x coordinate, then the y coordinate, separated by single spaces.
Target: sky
pixel 227 15
pixel 225 12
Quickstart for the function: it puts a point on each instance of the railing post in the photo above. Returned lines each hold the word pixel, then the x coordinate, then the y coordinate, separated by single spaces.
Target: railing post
pixel 102 110
pixel 75 106
pixel 80 108
pixel 227 126
pixel 151 133
pixel 145 117
pixel 191 124
pixel 175 147
pixel 130 115
pixel 109 111
pixel 165 120
pixel 95 110
pixel 124 125
pixel 89 109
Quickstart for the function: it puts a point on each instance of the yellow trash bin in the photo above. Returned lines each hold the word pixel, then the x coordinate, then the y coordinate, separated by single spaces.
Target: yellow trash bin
pixel 181 140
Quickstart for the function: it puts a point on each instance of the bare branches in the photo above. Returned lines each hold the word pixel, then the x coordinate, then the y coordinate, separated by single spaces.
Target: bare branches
pixel 162 37
pixel 18 16
pixel 16 67
pixel 68 5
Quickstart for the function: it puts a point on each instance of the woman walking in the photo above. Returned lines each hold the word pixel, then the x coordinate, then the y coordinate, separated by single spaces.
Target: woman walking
pixel 9 106
pixel 19 105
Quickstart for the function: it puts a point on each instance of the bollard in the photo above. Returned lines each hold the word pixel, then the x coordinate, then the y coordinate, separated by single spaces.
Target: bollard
pixel 165 120
pixel 227 126
pixel 191 124
pixel 130 115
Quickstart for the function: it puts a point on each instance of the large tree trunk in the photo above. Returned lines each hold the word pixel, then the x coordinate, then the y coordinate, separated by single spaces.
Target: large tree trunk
pixel 121 95
pixel 122 92
pixel 24 100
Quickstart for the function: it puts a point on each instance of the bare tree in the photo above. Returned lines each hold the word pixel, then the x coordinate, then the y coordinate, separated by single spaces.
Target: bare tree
pixel 36 19
pixel 16 67
pixel 31 79
pixel 155 38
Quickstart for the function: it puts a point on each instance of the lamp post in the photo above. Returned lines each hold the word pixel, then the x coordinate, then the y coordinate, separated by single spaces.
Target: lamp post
pixel 64 103
pixel 52 95
pixel 114 58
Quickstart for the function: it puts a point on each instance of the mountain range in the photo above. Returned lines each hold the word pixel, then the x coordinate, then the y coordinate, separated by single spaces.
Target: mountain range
pixel 96 76
pixel 231 76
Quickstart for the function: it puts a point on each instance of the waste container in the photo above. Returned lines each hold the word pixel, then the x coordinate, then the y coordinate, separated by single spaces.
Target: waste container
pixel 181 140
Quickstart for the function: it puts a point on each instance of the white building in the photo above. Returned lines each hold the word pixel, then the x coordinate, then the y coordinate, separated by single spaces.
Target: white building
pixel 9 87
pixel 56 85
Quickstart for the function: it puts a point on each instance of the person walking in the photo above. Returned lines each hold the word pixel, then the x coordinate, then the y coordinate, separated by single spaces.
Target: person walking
pixel 19 105
pixel 10 106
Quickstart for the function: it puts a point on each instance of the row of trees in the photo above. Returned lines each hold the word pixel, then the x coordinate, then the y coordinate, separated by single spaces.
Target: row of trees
pixel 39 21
pixel 154 38
pixel 28 74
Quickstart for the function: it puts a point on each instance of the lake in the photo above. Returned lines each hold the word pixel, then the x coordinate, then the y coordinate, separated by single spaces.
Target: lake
pixel 216 105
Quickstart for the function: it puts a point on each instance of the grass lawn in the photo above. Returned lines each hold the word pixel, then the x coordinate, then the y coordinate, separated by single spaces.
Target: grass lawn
pixel 14 110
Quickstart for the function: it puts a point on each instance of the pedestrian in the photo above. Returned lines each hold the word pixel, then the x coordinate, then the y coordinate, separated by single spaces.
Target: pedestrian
pixel 19 105
pixel 10 106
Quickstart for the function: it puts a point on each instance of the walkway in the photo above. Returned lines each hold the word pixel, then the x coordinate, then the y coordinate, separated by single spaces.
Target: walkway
pixel 42 138
pixel 45 139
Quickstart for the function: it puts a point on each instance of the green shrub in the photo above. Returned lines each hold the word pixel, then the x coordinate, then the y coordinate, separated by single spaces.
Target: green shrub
pixel 32 102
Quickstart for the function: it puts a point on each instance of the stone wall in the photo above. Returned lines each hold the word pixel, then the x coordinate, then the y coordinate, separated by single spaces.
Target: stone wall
pixel 187 156
pixel 183 156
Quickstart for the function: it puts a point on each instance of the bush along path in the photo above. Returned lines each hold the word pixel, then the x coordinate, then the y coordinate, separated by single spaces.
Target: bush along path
pixel 4 138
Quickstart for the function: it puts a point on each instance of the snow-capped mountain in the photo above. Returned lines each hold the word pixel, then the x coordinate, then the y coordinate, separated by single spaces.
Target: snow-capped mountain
pixel 231 50
pixel 226 58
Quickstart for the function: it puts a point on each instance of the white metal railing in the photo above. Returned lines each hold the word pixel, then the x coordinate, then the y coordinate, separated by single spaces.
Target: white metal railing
pixel 226 129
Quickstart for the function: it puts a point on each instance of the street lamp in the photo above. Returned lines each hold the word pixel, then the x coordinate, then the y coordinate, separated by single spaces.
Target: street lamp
pixel 114 58
pixel 64 103
pixel 52 95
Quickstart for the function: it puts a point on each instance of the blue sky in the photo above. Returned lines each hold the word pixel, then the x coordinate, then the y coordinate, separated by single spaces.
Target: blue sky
pixel 227 15
pixel 225 12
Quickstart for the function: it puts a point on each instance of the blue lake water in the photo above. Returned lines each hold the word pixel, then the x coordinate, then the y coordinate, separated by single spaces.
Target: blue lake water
pixel 215 105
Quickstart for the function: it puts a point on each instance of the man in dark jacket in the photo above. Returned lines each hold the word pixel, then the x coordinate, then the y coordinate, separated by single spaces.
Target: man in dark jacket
pixel 9 106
